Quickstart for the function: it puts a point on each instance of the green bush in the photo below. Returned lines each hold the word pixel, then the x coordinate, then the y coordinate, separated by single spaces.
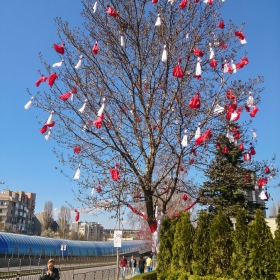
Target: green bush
pixel 196 277
pixel 147 276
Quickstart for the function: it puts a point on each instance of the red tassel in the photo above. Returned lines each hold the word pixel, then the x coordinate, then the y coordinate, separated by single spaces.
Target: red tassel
pixel 65 96
pixel 218 145
pixel 191 161
pixel 203 137
pixel 244 61
pixel 247 178
pixel 44 129
pixel 252 151
pixel 52 79
pixel 241 147
pixel 59 48
pixel 198 53
pixel 77 149
pixel 95 48
pixel 254 111
pixel 153 226
pixel 77 217
pixel 42 79
pixel 181 168
pixel 98 122
pixel 183 4
pixel 195 101
pixel 213 63
pixel 193 152
pixel 240 35
pixel 177 71
pixel 99 190
pixel 111 12
pixel 221 25
pixel 225 150
pixel 154 1
pixel 136 212
pixel 266 170
pixel 185 197
pixel 115 174
pixel 247 156
pixel 230 95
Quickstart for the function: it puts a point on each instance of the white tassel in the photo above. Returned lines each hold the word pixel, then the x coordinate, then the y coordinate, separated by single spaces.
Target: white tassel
pixel 184 142
pixel 49 121
pixel 233 66
pixel 230 137
pixel 28 104
pixel 92 191
pixel 58 64
pixel 95 7
pixel 218 109
pixel 243 41
pixel 226 67
pixel 79 64
pixel 48 135
pixel 262 195
pixel 198 68
pixel 82 109
pixel 250 100
pixel 158 22
pixel 254 135
pixel 212 54
pixel 171 1
pixel 233 116
pixel 84 129
pixel 164 55
pixel 187 36
pixel 197 132
pixel 122 41
pixel 78 173
pixel 101 110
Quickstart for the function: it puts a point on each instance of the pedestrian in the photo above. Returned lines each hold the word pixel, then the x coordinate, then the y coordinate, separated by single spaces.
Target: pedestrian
pixel 50 272
pixel 141 264
pixel 149 264
pixel 132 265
pixel 123 265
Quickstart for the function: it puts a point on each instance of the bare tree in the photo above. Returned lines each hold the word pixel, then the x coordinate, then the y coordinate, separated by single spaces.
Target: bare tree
pixel 47 216
pixel 64 221
pixel 151 99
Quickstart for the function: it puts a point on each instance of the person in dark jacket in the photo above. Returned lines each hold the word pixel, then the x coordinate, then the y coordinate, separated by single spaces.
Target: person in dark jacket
pixel 50 272
pixel 141 264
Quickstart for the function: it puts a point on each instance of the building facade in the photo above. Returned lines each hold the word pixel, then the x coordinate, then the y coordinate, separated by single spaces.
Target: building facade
pixel 89 231
pixel 17 211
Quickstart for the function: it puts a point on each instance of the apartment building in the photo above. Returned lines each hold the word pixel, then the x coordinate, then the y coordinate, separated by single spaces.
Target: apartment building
pixel 90 231
pixel 16 211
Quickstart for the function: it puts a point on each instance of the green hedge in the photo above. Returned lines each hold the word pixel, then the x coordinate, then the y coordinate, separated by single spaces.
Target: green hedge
pixel 147 276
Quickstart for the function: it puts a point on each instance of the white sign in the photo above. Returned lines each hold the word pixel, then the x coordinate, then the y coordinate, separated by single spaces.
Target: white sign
pixel 117 238
pixel 63 247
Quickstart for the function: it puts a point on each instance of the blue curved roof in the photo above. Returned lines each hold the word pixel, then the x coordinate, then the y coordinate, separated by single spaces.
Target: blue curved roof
pixel 43 246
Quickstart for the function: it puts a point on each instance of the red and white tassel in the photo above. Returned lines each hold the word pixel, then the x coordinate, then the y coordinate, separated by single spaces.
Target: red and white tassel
pixel 101 110
pixel 79 64
pixel 82 109
pixel 218 109
pixel 58 64
pixel 48 135
pixel 122 40
pixel 158 22
pixel 95 7
pixel 78 173
pixel 184 142
pixel 164 55
pixel 28 104
pixel 197 132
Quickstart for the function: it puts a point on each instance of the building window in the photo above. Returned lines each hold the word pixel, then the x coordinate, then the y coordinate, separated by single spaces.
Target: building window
pixel 1 210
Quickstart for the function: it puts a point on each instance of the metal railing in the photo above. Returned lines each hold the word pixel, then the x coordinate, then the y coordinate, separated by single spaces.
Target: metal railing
pixel 97 274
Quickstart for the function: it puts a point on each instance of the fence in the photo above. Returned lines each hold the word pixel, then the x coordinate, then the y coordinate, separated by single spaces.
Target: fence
pixel 70 274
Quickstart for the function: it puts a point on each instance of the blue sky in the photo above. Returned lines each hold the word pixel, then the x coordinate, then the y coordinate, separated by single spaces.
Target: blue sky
pixel 27 28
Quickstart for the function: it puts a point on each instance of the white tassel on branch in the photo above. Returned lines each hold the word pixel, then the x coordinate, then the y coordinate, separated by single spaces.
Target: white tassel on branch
pixel 122 40
pixel 58 64
pixel 78 173
pixel 254 135
pixel 218 109
pixel 250 100
pixel 164 55
pixel 28 104
pixel 198 68
pixel 101 110
pixel 48 135
pixel 158 22
pixel 95 7
pixel 79 64
pixel 233 66
pixel 184 142
pixel 49 121
pixel 82 109
pixel 212 54
pixel 197 132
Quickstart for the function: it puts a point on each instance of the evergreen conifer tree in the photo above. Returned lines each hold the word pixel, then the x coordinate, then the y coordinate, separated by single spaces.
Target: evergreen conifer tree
pixel 201 245
pixel 164 257
pixel 240 253
pixel 261 260
pixel 277 241
pixel 230 180
pixel 183 243
pixel 220 245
